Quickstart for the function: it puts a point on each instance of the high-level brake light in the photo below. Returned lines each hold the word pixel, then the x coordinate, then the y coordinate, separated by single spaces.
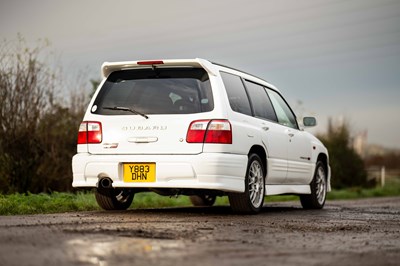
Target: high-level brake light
pixel 153 62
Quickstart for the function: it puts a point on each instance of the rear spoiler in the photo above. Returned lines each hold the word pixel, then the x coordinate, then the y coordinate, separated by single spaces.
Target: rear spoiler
pixel 108 67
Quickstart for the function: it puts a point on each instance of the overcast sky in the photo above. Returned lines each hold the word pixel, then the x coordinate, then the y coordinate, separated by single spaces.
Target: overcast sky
pixel 339 58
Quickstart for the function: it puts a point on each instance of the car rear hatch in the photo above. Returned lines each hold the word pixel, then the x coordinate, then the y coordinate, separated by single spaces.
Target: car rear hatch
pixel 147 107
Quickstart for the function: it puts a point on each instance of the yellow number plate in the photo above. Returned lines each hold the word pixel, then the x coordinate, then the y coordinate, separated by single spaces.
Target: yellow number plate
pixel 139 172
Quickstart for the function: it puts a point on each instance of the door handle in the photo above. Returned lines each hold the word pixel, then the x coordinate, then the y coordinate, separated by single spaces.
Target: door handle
pixel 290 134
pixel 265 128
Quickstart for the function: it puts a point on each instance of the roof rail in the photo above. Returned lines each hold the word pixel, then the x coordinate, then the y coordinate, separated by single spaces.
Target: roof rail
pixel 221 65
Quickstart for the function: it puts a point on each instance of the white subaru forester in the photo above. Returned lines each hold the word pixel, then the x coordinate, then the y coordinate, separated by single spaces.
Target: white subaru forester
pixel 192 127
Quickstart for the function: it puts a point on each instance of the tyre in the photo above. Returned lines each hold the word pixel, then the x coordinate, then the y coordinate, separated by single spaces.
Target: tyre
pixel 316 200
pixel 251 201
pixel 203 200
pixel 113 198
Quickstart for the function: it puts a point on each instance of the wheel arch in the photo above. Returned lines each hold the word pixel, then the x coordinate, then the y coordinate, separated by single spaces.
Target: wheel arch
pixel 324 159
pixel 260 151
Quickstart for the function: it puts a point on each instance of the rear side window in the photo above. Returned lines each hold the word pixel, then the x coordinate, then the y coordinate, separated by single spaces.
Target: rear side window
pixel 158 91
pixel 237 95
pixel 260 101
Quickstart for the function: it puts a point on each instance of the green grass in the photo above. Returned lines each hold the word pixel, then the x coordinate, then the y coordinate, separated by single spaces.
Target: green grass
pixel 46 203
pixel 85 201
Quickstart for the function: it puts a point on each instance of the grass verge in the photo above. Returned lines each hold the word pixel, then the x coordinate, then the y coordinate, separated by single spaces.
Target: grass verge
pixel 46 203
pixel 57 202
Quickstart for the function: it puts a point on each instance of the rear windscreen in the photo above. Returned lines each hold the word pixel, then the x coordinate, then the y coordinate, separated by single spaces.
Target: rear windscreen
pixel 155 91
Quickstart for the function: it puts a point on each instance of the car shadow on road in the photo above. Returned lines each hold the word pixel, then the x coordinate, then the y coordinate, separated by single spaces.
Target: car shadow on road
pixel 215 210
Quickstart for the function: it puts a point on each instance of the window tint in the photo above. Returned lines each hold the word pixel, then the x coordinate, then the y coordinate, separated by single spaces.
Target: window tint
pixel 237 95
pixel 158 91
pixel 260 101
pixel 283 111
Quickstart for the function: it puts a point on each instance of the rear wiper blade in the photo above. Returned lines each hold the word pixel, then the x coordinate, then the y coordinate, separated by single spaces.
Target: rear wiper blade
pixel 126 109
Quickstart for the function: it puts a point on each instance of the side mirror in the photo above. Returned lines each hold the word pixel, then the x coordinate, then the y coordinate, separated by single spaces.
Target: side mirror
pixel 309 121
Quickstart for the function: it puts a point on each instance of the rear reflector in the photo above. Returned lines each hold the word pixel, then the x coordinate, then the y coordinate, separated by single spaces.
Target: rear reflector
pixel 210 131
pixel 89 132
pixel 154 62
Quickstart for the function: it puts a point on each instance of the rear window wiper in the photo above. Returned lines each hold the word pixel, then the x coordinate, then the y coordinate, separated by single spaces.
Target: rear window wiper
pixel 126 109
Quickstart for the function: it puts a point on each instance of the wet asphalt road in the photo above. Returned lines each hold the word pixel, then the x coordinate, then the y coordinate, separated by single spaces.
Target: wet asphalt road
pixel 361 232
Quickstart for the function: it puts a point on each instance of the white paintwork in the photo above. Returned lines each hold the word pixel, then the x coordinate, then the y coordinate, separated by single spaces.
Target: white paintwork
pixel 162 139
pixel 300 163
pixel 287 189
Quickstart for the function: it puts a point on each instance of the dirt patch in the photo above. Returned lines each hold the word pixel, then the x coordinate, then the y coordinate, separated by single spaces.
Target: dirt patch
pixel 136 233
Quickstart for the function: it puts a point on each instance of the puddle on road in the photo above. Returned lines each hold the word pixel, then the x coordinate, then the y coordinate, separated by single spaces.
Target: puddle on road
pixel 101 249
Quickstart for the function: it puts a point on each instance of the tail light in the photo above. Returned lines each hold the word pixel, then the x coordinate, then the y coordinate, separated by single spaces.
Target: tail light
pixel 210 131
pixel 90 132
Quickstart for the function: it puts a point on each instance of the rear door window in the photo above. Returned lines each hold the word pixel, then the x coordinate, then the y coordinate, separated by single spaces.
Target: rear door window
pixel 155 91
pixel 260 101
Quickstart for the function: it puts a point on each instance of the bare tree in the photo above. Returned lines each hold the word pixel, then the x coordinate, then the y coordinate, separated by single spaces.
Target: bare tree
pixel 37 132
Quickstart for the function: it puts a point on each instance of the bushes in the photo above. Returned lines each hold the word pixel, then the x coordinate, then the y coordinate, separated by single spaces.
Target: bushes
pixel 37 132
pixel 347 167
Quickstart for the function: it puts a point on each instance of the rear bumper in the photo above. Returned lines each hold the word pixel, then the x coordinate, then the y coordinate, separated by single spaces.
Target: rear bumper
pixel 217 171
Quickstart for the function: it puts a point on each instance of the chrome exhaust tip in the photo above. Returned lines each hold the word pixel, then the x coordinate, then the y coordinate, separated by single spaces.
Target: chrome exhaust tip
pixel 105 183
